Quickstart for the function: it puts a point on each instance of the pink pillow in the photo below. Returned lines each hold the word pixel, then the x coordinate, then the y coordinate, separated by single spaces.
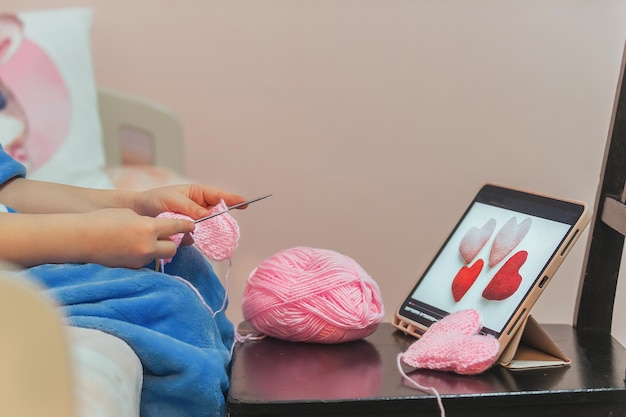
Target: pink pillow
pixel 51 122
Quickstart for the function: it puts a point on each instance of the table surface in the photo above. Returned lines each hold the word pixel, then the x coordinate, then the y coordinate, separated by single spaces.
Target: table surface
pixel 361 378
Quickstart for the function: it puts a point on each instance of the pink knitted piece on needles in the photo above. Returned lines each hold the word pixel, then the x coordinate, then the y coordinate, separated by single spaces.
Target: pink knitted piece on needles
pixel 454 344
pixel 216 238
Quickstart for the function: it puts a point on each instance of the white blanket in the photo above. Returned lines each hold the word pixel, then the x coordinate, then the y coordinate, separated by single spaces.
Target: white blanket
pixel 108 374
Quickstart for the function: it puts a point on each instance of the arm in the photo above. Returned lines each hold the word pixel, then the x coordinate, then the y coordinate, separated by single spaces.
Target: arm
pixel 38 197
pixel 64 224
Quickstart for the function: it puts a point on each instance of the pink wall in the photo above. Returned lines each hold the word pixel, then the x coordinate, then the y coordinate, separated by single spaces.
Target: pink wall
pixel 373 122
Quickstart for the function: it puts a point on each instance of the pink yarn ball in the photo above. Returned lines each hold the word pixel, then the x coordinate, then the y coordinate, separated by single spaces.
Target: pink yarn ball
pixel 312 295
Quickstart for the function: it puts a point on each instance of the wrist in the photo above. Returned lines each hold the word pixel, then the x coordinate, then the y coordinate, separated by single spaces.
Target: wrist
pixel 126 199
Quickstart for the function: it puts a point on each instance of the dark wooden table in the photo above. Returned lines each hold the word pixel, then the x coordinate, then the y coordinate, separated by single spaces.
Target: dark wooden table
pixel 271 377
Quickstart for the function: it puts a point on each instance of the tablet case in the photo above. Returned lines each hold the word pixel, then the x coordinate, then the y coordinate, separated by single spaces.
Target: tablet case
pixel 531 347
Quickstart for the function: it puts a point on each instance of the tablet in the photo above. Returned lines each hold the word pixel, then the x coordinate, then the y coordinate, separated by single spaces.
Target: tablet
pixel 497 260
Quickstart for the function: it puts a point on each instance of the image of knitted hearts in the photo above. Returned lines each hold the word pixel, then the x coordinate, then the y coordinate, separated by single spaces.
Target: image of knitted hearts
pixel 490 263
pixel 507 279
pixel 494 256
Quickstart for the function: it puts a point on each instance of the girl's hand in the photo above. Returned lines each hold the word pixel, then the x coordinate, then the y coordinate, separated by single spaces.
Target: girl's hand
pixel 193 200
pixel 122 238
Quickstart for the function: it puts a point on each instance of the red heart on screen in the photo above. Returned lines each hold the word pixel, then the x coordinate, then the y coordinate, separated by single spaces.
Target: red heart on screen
pixel 507 239
pixel 507 280
pixel 465 278
pixel 475 239
pixel 454 344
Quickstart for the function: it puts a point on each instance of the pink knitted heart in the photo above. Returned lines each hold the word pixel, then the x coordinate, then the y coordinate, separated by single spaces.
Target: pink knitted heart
pixel 475 239
pixel 454 344
pixel 216 238
pixel 507 239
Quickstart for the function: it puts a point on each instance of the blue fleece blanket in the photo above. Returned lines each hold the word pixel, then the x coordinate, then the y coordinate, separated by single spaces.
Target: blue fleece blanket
pixel 185 351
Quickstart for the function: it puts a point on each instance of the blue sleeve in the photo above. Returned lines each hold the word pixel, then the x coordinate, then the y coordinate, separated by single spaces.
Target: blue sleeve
pixel 9 167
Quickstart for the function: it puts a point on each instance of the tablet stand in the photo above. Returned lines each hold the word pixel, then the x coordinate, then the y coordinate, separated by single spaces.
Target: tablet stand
pixel 532 347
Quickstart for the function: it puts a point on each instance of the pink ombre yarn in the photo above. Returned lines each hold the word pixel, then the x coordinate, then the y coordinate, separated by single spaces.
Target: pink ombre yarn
pixel 304 294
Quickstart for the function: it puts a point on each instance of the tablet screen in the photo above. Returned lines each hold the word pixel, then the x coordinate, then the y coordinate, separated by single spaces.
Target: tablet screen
pixel 492 259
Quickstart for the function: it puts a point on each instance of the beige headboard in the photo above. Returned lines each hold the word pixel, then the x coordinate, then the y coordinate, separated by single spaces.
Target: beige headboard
pixel 123 115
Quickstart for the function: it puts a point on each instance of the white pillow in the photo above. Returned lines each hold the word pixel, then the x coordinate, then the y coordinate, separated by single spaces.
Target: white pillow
pixel 51 77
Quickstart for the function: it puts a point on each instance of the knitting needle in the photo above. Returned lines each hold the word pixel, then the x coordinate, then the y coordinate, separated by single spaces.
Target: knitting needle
pixel 231 207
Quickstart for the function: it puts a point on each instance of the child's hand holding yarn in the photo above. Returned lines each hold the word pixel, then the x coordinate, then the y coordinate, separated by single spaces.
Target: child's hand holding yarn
pixel 151 237
pixel 132 240
pixel 192 200
pixel 109 227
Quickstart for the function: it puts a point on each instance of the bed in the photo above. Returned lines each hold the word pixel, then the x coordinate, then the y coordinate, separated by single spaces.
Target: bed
pixel 53 369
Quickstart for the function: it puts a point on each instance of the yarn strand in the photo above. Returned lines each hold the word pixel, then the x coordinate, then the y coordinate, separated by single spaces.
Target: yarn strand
pixel 432 390
pixel 226 285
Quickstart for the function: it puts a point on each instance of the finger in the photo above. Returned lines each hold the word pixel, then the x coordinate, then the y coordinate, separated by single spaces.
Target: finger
pixel 165 249
pixel 233 199
pixel 167 227
pixel 203 199
pixel 212 196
